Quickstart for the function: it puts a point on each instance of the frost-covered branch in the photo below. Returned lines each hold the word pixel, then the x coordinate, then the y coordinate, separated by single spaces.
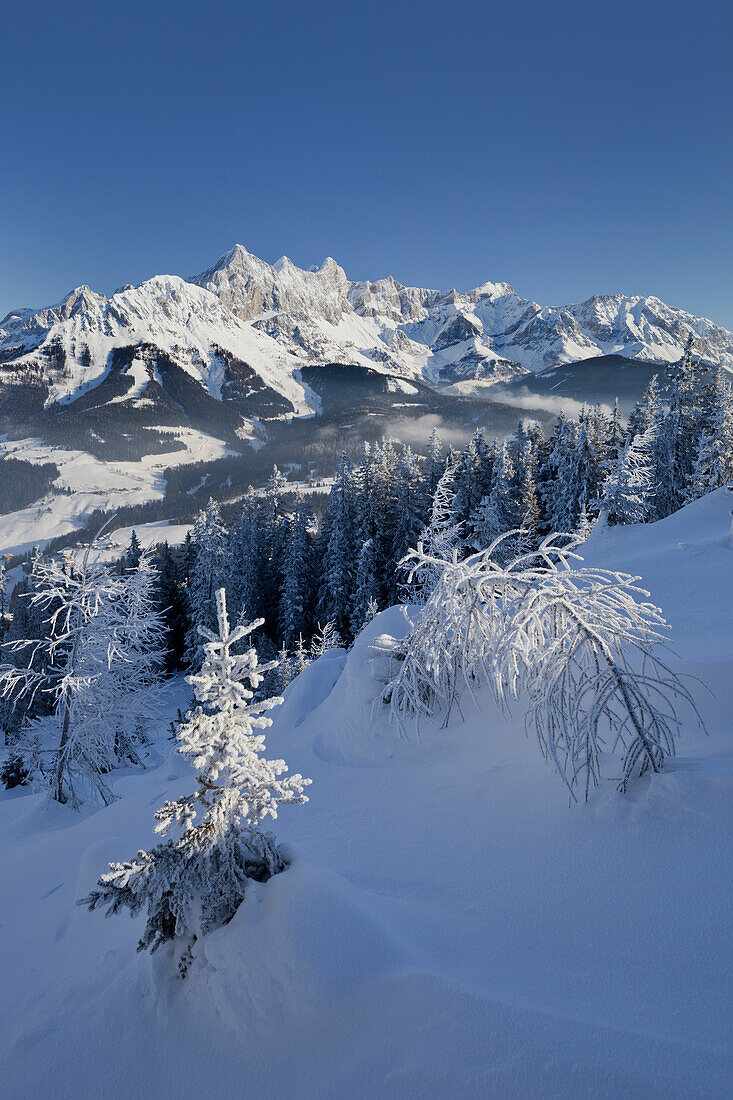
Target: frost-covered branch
pixel 581 644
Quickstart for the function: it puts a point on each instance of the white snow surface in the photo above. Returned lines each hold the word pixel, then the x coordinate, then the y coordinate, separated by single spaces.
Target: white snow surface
pixel 448 926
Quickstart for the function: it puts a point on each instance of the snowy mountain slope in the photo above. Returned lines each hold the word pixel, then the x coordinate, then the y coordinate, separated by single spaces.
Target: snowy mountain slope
pixel 448 926
pixel 276 318
pixel 254 354
pixel 70 345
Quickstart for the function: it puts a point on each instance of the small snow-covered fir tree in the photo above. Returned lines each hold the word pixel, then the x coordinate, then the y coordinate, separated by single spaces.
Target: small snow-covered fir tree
pixel 586 523
pixel 301 657
pixel 326 637
pixel 195 881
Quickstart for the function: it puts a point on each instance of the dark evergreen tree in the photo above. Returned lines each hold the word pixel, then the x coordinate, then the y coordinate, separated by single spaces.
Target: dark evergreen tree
pixel 340 553
pixel 296 597
pixel 173 606
pixel 208 575
pixel 366 597
pixel 133 552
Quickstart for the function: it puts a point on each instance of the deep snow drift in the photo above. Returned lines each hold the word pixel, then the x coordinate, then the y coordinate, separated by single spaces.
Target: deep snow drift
pixel 448 926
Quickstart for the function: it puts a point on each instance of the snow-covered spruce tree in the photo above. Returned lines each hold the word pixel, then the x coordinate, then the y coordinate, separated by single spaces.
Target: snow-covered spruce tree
pixel 578 478
pixel 247 559
pixel 297 585
pixel 206 576
pixel 195 881
pixel 586 523
pixel 339 556
pixel 135 673
pixel 301 657
pixel 714 463
pixel 441 537
pixel 681 430
pixel 628 495
pixel 474 476
pixel 581 644
pixel 435 465
pixel 500 511
pixel 410 514
pixel 667 497
pixel 646 410
pixel 367 587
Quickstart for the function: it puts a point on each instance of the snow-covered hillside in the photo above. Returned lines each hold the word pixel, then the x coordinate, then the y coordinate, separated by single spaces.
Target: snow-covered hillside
pixel 70 344
pixel 85 484
pixel 448 926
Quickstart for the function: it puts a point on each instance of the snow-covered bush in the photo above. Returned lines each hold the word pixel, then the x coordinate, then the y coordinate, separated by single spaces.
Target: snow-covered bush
pixel 194 882
pixel 581 644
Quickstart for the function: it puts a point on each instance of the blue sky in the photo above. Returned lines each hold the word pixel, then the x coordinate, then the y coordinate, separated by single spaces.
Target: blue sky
pixel 568 148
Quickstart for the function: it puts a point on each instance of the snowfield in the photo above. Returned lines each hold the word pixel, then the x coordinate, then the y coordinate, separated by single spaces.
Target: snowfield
pixel 94 484
pixel 448 926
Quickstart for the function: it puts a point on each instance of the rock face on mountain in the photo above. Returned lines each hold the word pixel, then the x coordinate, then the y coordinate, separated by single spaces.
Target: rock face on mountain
pixel 231 344
pixel 487 335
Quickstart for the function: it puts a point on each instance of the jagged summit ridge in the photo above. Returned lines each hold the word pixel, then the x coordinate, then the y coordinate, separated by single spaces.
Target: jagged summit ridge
pixel 489 332
pixel 273 319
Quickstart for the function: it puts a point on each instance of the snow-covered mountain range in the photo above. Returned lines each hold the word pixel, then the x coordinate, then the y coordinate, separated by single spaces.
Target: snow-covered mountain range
pixel 245 326
pixel 489 333
pixel 250 364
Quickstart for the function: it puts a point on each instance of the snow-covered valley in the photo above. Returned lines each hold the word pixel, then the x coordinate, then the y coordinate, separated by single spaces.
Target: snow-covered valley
pixel 87 484
pixel 448 926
